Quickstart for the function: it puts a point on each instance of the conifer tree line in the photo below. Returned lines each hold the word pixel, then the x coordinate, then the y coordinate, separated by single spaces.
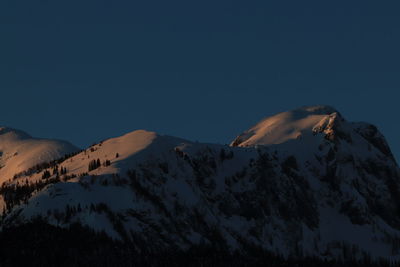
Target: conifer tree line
pixel 46 174
pixel 81 246
pixel 63 170
pixel 94 164
pixel 45 165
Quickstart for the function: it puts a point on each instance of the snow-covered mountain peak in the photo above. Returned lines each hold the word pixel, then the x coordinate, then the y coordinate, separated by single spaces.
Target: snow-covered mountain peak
pixel 7 133
pixel 19 151
pixel 317 110
pixel 289 125
pixel 136 141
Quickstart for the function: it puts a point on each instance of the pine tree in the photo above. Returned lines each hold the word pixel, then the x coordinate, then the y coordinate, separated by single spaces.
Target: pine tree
pixel 55 170
pixel 46 174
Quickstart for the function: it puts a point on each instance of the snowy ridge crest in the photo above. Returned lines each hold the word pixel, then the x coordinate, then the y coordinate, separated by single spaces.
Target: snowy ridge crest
pixel 289 125
pixel 17 134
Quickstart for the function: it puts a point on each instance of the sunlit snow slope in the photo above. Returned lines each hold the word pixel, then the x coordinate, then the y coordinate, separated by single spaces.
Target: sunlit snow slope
pixel 19 151
pixel 285 126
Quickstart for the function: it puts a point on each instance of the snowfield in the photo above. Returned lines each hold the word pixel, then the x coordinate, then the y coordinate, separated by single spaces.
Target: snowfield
pixel 19 151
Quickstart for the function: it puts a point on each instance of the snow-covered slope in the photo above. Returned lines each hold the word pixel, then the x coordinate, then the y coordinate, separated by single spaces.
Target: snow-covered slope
pixel 19 151
pixel 305 182
pixel 285 126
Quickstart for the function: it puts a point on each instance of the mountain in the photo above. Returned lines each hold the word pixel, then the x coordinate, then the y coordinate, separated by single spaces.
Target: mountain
pixel 19 151
pixel 303 183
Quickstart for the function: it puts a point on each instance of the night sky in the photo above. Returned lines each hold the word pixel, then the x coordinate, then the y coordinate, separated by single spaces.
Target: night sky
pixel 203 70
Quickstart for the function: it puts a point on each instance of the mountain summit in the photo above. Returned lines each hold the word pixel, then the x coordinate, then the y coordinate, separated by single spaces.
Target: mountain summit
pixel 20 151
pixel 288 125
pixel 298 184
pixel 306 123
pixel 7 133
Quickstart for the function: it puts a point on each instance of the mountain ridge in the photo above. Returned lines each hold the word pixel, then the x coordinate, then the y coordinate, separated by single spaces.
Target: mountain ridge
pixel 324 188
pixel 284 126
pixel 20 151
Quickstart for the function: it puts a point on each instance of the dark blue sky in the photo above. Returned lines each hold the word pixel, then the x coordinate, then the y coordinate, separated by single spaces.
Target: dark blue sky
pixel 203 70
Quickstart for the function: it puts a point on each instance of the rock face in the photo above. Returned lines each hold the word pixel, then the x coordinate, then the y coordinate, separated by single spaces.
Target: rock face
pixel 304 182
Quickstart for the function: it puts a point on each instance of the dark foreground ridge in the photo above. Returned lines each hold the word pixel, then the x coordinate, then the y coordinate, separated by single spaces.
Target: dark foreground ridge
pixel 40 244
